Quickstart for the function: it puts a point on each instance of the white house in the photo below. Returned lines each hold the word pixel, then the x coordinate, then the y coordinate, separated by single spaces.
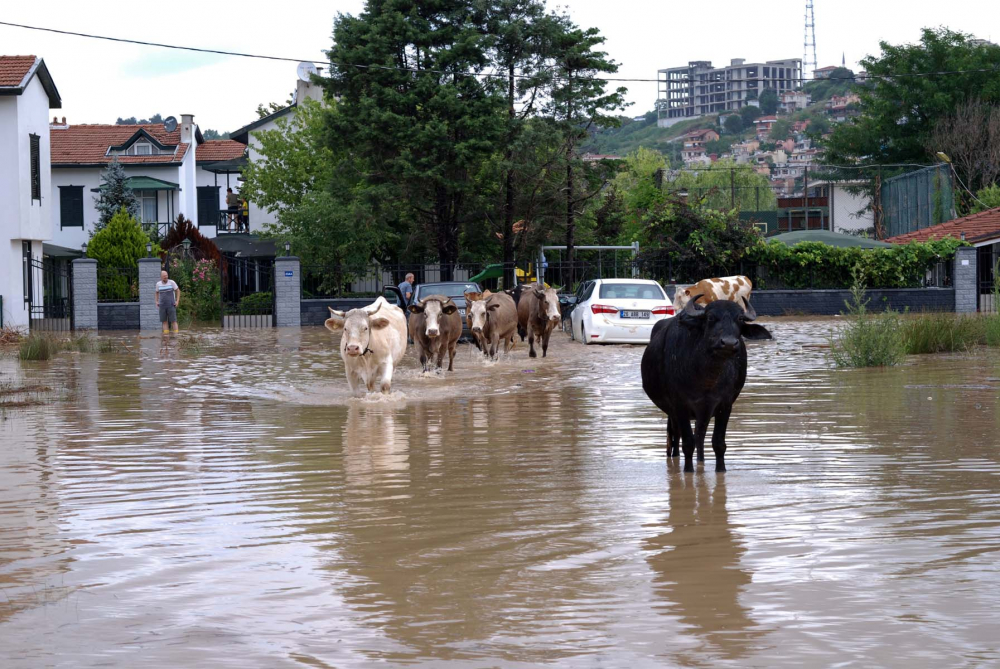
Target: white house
pixel 166 169
pixel 27 92
pixel 246 136
pixel 849 212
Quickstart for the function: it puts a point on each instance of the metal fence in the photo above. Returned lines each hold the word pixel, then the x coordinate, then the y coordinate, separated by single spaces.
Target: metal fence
pixel 917 200
pixel 117 284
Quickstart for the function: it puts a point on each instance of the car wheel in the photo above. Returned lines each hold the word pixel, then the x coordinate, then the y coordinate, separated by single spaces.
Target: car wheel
pixel 572 330
pixel 583 335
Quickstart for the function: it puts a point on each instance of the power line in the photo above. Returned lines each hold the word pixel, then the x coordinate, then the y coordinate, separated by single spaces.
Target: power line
pixel 485 75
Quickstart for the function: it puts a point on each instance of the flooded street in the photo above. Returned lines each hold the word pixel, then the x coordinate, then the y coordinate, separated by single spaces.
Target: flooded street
pixel 220 501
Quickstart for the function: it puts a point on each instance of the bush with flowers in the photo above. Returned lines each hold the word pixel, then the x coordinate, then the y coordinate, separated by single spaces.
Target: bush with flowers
pixel 200 286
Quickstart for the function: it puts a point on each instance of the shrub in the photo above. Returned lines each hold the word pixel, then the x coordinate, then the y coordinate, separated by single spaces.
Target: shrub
pixel 120 243
pixel 868 340
pixel 256 303
pixel 200 288
pixel 202 247
pixel 818 265
pixel 114 196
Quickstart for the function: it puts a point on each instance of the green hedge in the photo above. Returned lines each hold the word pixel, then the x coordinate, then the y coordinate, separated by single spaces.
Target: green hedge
pixel 256 303
pixel 818 265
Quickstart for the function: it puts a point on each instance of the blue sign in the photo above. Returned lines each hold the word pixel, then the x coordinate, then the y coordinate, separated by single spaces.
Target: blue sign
pixel 289 272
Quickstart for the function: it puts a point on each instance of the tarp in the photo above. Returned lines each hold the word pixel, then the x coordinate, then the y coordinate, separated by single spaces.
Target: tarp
pixel 829 238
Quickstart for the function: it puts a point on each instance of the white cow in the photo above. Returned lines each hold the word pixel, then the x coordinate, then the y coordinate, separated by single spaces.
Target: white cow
pixel 732 288
pixel 373 343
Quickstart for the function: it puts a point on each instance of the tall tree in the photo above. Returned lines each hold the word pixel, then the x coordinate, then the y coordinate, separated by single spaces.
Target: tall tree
pixel 579 99
pixel 769 102
pixel 411 109
pixel 114 194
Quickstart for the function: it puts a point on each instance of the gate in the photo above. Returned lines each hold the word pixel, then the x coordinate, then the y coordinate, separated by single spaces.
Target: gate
pixel 247 292
pixel 48 294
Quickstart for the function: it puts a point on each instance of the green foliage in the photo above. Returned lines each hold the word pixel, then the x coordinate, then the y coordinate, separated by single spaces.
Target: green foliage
pixel 256 303
pixel 201 246
pixel 696 241
pixel 769 102
pixel 986 198
pixel 780 130
pixel 867 339
pixel 733 124
pixel 727 185
pixel 942 333
pixel 818 265
pixel 200 286
pixel 898 113
pixel 841 82
pixel 37 347
pixel 114 195
pixel 749 114
pixel 121 243
pixel 632 135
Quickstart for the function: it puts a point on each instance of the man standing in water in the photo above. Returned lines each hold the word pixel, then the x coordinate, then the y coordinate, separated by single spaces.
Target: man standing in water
pixel 168 296
pixel 406 288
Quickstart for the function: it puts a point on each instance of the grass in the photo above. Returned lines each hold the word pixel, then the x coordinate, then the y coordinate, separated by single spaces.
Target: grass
pixel 945 332
pixel 869 339
pixel 35 347
pixel 10 335
pixel 40 347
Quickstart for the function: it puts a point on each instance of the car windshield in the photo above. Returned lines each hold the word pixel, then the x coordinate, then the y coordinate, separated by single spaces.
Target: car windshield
pixel 631 291
pixel 446 289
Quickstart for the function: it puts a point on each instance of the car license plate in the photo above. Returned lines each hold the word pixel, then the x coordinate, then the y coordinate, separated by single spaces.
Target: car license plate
pixel 634 314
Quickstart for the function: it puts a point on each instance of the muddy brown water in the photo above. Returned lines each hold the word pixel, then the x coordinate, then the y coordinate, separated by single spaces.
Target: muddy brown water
pixel 219 501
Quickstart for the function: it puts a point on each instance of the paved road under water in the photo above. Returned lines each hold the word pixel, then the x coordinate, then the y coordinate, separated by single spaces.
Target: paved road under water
pixel 219 501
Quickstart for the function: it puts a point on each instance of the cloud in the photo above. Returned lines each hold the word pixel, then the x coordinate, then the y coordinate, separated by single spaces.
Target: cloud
pixel 158 62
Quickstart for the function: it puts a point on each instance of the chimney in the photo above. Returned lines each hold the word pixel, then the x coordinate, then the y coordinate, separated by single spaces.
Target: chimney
pixel 307 90
pixel 187 128
pixel 55 120
pixel 64 120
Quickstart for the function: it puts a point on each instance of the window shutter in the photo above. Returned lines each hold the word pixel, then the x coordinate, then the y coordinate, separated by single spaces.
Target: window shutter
pixel 71 206
pixel 208 205
pixel 36 169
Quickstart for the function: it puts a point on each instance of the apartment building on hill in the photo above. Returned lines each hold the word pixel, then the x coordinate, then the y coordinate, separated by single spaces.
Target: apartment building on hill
pixel 699 89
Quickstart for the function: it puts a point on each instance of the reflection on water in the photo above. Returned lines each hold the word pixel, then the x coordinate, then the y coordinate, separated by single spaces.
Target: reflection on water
pixel 220 500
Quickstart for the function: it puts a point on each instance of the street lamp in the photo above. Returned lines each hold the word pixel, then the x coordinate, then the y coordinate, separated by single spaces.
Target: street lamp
pixel 288 248
pixel 187 247
pixel 149 249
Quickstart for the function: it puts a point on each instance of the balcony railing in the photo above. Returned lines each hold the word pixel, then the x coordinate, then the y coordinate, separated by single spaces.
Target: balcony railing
pixel 157 231
pixel 232 221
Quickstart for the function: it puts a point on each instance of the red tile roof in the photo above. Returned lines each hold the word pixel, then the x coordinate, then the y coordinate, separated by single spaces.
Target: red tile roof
pixel 980 227
pixel 14 68
pixel 88 144
pixel 219 149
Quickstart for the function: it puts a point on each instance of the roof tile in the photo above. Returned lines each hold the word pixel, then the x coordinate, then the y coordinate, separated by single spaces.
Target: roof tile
pixel 220 149
pixel 88 144
pixel 13 69
pixel 977 228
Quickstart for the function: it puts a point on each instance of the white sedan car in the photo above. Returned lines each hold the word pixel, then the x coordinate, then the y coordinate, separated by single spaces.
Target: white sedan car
pixel 619 311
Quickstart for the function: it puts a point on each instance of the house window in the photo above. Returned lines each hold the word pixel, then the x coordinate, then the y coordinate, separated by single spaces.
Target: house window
pixel 147 200
pixel 143 149
pixel 36 169
pixel 70 207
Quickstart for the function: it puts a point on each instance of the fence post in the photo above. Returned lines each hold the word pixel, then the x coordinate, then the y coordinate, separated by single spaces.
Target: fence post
pixel 84 293
pixel 966 280
pixel 287 292
pixel 149 274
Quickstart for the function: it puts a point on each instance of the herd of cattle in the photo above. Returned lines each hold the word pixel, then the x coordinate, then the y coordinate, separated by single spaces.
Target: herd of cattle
pixel 694 367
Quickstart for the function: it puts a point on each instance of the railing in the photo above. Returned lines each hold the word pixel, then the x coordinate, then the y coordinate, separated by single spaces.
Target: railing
pixel 117 284
pixel 232 221
pixel 157 231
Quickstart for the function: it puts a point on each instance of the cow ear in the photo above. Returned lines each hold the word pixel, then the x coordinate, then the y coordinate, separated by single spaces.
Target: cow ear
pixel 753 331
pixel 449 309
pixel 416 308
pixel 540 294
pixel 335 323
pixel 379 322
pixel 493 307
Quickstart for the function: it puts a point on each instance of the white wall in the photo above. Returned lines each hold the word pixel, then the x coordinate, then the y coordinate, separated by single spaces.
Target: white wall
pixel 258 215
pixel 90 178
pixel 844 211
pixel 20 216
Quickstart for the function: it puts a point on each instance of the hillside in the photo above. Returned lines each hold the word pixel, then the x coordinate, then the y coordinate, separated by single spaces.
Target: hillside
pixel 633 134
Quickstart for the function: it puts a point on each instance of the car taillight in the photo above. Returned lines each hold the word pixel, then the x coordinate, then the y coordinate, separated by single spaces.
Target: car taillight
pixel 603 309
pixel 663 311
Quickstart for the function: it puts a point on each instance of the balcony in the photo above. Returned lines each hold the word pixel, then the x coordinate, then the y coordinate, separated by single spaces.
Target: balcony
pixel 232 221
pixel 157 231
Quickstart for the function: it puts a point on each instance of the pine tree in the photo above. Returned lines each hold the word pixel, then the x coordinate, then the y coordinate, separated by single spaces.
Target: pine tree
pixel 114 195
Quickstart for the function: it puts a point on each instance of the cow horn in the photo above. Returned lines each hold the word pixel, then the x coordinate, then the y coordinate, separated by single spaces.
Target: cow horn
pixel 338 314
pixel 692 308
pixel 751 314
pixel 372 312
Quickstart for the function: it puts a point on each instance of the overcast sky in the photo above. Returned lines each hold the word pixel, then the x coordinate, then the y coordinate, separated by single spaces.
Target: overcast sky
pixel 100 81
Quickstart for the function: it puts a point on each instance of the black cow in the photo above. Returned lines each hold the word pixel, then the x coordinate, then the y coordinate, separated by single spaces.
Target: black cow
pixel 695 367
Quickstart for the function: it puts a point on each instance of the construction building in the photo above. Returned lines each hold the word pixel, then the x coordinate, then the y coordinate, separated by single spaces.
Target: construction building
pixel 698 89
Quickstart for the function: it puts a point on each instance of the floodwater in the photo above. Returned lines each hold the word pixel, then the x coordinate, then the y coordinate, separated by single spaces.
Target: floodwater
pixel 220 501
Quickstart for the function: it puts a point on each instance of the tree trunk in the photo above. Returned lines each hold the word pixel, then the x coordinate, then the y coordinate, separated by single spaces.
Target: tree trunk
pixel 570 221
pixel 508 210
pixel 446 232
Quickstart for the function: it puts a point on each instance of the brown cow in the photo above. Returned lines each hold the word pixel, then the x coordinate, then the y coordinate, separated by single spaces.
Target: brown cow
pixel 495 319
pixel 544 315
pixel 435 327
pixel 470 297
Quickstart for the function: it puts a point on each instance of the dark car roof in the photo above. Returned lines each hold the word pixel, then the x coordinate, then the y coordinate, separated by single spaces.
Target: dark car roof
pixel 444 288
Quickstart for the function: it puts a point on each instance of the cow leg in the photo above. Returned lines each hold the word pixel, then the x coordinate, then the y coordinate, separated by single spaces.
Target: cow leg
pixel 386 385
pixel 700 429
pixel 545 341
pixel 683 421
pixel 354 381
pixel 719 437
pixel 673 439
pixel 531 344
pixel 451 354
pixel 442 349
